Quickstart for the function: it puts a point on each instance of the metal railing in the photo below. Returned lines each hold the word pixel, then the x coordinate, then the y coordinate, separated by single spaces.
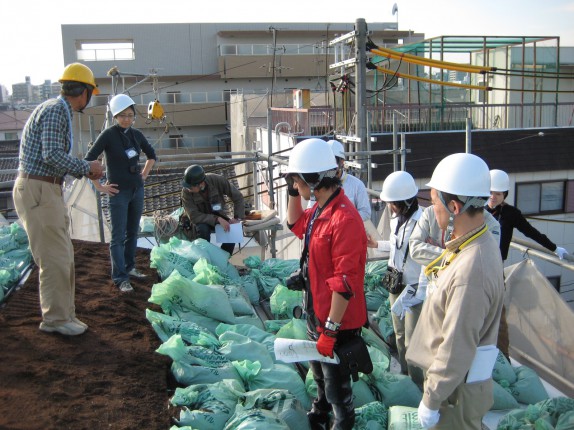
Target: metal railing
pixel 418 118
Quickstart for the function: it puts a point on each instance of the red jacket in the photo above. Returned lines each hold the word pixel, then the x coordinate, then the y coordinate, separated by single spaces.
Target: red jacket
pixel 337 257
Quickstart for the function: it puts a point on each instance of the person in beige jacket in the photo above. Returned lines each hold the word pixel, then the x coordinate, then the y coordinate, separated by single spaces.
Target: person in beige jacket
pixel 464 299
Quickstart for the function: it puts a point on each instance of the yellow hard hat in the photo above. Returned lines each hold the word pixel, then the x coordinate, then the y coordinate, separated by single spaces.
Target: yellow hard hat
pixel 79 72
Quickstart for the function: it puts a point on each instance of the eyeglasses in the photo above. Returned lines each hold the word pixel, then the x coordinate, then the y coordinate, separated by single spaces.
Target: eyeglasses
pixel 126 116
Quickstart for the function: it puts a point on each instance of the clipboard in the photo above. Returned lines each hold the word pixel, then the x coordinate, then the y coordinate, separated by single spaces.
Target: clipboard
pixel 483 363
pixel 234 235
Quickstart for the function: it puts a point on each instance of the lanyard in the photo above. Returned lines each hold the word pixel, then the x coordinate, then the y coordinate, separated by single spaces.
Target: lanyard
pixel 70 135
pixel 433 267
pixel 316 215
pixel 310 226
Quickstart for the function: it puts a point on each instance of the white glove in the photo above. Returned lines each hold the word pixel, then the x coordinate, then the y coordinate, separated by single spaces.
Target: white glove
pixel 427 417
pixel 405 300
pixel 411 299
pixel 560 252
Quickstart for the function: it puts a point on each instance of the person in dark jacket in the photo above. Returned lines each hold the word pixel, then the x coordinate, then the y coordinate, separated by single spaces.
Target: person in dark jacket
pixel 510 217
pixel 122 145
pixel 202 198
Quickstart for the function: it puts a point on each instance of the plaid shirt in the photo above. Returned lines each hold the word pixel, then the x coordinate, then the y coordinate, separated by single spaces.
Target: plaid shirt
pixel 46 142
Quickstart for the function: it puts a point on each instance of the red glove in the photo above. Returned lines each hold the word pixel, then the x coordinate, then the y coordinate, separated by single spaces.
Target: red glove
pixel 326 342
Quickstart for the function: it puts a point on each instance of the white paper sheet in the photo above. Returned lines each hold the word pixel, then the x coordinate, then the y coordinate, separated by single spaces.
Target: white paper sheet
pixel 234 235
pixel 294 350
pixel 483 363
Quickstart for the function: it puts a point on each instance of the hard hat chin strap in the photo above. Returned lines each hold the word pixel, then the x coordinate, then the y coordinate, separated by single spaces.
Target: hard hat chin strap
pixel 467 203
pixel 320 175
pixel 450 226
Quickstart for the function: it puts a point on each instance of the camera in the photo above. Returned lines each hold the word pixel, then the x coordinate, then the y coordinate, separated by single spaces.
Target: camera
pixel 295 281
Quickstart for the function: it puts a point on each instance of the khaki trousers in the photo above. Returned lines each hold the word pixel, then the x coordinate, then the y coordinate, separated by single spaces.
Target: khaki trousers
pixel 404 329
pixel 466 406
pixel 40 207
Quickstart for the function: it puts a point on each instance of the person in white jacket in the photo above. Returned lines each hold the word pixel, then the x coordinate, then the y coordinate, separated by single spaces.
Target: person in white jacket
pixel 354 188
pixel 400 193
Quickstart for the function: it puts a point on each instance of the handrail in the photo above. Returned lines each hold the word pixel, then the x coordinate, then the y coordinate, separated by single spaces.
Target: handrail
pixel 532 248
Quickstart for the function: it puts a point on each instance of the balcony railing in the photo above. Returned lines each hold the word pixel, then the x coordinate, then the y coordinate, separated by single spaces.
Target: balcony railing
pixel 412 118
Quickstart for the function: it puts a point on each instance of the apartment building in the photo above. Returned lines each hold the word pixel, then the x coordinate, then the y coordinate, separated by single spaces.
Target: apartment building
pixel 193 70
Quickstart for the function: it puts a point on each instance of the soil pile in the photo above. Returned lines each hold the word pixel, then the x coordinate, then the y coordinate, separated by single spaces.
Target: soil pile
pixel 108 378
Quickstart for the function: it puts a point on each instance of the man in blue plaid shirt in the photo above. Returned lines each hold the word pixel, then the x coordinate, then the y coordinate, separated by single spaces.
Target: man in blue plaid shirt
pixel 45 157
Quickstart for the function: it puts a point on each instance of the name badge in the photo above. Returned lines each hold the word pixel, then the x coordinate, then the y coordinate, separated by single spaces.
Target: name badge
pixel 216 206
pixel 131 153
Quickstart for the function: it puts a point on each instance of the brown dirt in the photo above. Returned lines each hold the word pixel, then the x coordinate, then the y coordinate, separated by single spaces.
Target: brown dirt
pixel 108 378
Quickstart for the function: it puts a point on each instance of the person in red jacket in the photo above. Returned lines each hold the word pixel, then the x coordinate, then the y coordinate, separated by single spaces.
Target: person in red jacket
pixel 333 270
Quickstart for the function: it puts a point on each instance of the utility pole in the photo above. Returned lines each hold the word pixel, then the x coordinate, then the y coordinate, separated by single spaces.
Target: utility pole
pixel 273 65
pixel 360 84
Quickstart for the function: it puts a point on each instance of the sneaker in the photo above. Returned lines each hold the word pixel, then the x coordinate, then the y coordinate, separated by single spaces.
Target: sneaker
pixel 136 273
pixel 69 328
pixel 125 287
pixel 77 321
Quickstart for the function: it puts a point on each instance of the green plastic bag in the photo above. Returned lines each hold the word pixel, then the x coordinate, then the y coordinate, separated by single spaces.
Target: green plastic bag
pixel 235 346
pixel 166 326
pixel 279 268
pixel 528 387
pixel 252 332
pixel 283 301
pixel 503 398
pixel 371 416
pixel 255 419
pixel 273 326
pixel 281 402
pixel 294 329
pixel 178 292
pixel 384 320
pixel 404 418
pixel 187 374
pixel 503 370
pixel 175 348
pixel 395 389
pixel 278 376
pixel 166 261
pixel 207 406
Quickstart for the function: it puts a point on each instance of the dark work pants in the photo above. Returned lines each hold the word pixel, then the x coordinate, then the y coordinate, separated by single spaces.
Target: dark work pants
pixel 334 392
pixel 204 232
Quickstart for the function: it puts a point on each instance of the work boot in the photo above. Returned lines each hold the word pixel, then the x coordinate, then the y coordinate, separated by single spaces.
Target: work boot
pixel 318 420
pixel 69 328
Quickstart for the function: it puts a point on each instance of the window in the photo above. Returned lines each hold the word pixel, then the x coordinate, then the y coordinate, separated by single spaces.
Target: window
pixel 538 198
pixel 105 50
pixel 555 281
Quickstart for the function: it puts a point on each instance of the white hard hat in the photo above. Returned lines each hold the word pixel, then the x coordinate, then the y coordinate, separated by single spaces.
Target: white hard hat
pixel 462 174
pixel 119 103
pixel 337 148
pixel 499 181
pixel 311 156
pixel 398 186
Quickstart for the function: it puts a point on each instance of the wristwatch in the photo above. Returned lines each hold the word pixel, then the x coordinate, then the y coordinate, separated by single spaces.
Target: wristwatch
pixel 331 325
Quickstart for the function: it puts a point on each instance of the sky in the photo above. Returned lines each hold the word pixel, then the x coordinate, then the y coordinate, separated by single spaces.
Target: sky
pixel 32 42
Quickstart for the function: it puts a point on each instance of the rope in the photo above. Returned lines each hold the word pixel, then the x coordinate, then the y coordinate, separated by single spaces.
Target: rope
pixel 164 225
